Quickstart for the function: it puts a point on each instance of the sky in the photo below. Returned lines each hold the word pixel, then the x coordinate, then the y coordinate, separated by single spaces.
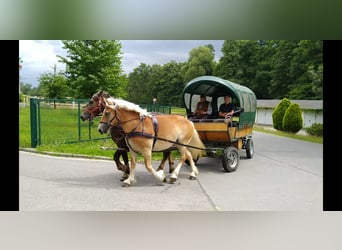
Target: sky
pixel 40 56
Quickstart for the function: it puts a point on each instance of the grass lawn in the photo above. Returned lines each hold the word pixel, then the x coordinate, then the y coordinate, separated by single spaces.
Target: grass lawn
pixel 59 134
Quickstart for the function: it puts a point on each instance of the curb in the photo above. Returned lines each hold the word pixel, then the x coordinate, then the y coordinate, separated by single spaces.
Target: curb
pixel 32 150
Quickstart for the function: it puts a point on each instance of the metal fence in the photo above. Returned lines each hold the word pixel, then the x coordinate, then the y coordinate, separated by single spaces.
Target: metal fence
pixel 156 108
pixel 57 121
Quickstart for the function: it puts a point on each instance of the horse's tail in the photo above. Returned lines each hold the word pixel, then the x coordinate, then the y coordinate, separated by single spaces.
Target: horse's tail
pixel 197 149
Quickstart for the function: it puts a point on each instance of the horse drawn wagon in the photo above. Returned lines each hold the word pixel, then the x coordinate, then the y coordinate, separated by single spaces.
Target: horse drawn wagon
pixel 223 138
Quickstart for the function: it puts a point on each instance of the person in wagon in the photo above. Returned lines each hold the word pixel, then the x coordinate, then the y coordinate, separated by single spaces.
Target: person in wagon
pixel 203 108
pixel 226 109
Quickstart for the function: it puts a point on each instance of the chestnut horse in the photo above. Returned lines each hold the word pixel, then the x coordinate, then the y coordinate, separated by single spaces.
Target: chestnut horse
pixel 94 108
pixel 146 133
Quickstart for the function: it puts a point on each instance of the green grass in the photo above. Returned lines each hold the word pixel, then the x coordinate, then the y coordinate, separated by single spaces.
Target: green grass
pixel 59 130
pixel 309 138
pixel 59 134
pixel 24 128
pixel 179 111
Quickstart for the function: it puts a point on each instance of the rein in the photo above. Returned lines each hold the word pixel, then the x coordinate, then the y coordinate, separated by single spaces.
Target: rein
pixel 174 142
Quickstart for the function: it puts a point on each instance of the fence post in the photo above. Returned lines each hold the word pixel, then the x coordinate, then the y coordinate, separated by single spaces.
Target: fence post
pixel 79 119
pixel 33 121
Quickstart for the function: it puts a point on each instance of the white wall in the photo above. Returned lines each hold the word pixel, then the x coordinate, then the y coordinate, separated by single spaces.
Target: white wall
pixel 264 117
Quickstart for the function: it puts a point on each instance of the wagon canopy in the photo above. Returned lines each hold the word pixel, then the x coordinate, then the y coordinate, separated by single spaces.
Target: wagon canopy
pixel 215 88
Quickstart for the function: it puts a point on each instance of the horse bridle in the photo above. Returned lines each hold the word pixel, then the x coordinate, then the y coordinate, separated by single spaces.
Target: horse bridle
pixel 97 110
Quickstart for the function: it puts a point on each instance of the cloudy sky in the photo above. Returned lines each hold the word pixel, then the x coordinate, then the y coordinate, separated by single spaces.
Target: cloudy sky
pixel 39 56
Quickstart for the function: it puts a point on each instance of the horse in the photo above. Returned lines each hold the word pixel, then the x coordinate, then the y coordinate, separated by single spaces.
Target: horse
pixel 146 133
pixel 94 108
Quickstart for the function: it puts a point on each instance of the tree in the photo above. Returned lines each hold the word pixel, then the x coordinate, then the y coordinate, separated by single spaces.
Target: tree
pixel 274 68
pixel 25 88
pixel 53 85
pixel 138 87
pixel 165 83
pixel 246 62
pixel 93 65
pixel 306 68
pixel 170 85
pixel 228 64
pixel 200 62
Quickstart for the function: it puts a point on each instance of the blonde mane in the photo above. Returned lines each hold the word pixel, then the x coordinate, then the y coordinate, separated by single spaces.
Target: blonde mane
pixel 122 104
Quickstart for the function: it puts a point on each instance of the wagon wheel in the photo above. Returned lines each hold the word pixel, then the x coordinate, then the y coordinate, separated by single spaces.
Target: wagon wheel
pixel 249 148
pixel 230 160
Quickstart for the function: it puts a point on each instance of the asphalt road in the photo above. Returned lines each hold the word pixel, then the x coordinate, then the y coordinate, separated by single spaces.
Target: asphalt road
pixel 284 175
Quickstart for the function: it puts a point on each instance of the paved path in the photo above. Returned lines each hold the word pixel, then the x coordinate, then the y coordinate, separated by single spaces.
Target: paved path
pixel 284 175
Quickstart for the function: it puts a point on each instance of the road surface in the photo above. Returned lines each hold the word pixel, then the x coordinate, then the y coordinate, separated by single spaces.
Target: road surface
pixel 284 175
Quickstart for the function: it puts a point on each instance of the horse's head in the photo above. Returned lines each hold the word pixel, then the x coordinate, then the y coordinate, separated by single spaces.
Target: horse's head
pixel 94 107
pixel 109 117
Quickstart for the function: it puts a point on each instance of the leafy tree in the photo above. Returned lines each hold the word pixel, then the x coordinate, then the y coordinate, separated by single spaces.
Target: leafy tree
pixel 306 68
pixel 228 64
pixel 292 62
pixel 138 87
pixel 245 62
pixel 274 68
pixel 53 85
pixel 200 62
pixel 25 88
pixel 94 65
pixel 170 85
pixel 28 89
pixel 155 81
pixel 316 78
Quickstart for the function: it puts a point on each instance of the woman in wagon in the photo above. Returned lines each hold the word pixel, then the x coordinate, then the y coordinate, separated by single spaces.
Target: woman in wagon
pixel 226 109
pixel 203 108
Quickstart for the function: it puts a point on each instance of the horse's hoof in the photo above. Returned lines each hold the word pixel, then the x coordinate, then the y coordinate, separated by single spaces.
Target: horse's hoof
pixel 173 180
pixel 192 177
pixel 123 178
pixel 164 180
pixel 124 184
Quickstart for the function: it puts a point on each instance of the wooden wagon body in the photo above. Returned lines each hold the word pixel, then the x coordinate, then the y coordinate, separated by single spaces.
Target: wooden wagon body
pixel 223 138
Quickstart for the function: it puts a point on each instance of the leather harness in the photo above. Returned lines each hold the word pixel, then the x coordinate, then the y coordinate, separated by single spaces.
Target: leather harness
pixel 155 137
pixel 143 134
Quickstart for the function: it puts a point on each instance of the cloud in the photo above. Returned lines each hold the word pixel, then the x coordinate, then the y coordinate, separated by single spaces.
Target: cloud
pixel 39 56
pixel 151 52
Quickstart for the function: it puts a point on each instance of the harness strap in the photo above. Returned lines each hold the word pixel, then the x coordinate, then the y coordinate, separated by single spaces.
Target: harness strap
pixel 143 134
pixel 155 127
pixel 155 136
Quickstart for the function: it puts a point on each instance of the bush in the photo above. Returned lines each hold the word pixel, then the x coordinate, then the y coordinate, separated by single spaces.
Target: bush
pixel 278 113
pixel 21 97
pixel 315 129
pixel 293 121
